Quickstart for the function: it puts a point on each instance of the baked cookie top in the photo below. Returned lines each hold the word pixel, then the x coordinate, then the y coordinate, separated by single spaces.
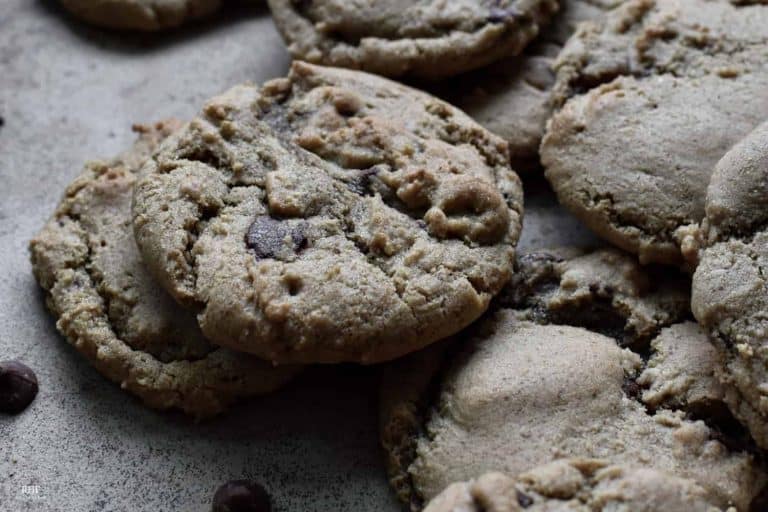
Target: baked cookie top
pixel 424 38
pixel 144 15
pixel 652 96
pixel 512 97
pixel 312 220
pixel 523 389
pixel 112 311
pixel 730 287
pixel 575 485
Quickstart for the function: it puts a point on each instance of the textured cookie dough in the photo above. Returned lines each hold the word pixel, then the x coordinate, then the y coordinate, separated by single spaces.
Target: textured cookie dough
pixel 512 97
pixel 144 15
pixel 682 370
pixel 575 485
pixel 111 310
pixel 523 391
pixel 605 291
pixel 424 39
pixel 730 287
pixel 652 96
pixel 312 221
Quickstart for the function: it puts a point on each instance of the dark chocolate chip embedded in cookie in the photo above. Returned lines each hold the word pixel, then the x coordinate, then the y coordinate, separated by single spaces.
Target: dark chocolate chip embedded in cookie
pixel 108 306
pixel 309 220
pixel 424 39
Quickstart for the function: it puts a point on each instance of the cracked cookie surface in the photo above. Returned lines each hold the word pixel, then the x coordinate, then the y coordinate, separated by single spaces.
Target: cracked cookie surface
pixel 730 287
pixel 575 485
pixel 310 221
pixel 145 15
pixel 512 97
pixel 425 39
pixel 652 96
pixel 524 388
pixel 112 311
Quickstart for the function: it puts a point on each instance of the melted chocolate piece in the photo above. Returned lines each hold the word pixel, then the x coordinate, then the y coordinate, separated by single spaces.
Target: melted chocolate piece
pixel 524 500
pixel 269 237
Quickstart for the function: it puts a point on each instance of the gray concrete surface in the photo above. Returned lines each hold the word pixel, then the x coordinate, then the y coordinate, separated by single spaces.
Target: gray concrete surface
pixel 69 93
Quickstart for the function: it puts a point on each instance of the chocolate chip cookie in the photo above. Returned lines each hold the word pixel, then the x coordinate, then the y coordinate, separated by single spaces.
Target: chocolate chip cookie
pixel 110 309
pixel 530 383
pixel 730 288
pixel 512 97
pixel 575 485
pixel 311 220
pixel 424 39
pixel 144 15
pixel 652 96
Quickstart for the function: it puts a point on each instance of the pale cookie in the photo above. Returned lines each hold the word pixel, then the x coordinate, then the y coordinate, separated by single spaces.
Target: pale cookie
pixel 575 485
pixel 523 391
pixel 144 15
pixel 512 97
pixel 310 220
pixel 730 285
pixel 425 39
pixel 682 370
pixel 111 310
pixel 652 96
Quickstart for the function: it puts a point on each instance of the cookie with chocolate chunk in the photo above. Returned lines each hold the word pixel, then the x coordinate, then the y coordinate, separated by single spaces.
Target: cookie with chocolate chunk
pixel 575 485
pixel 543 378
pixel 730 285
pixel 650 97
pixel 143 15
pixel 309 220
pixel 107 305
pixel 424 39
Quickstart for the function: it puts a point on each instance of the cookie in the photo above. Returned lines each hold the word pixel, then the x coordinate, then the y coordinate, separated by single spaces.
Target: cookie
pixel 426 39
pixel 520 391
pixel 730 288
pixel 143 15
pixel 311 221
pixel 652 96
pixel 110 309
pixel 682 371
pixel 575 485
pixel 512 97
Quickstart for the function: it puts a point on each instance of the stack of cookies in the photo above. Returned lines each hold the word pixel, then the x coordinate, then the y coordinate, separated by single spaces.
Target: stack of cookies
pixel 338 216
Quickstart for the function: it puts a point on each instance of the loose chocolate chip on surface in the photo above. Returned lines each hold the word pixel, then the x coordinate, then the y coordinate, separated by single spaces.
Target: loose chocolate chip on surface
pixel 18 386
pixel 268 237
pixel 241 496
pixel 524 500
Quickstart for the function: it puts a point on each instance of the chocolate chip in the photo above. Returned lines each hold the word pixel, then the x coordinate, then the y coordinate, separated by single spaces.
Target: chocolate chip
pixel 360 181
pixel 18 386
pixel 269 237
pixel 241 496
pixel 631 388
pixel 524 500
pixel 500 15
